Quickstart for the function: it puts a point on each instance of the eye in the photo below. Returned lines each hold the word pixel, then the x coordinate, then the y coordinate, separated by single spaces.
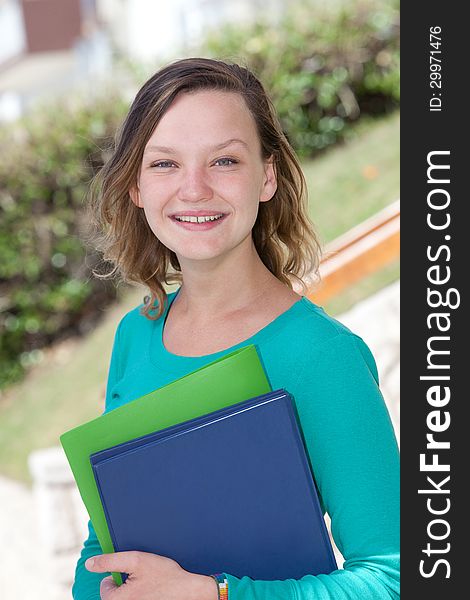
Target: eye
pixel 162 164
pixel 226 161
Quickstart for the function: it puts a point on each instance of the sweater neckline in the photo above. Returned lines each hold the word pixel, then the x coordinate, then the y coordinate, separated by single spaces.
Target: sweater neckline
pixel 168 361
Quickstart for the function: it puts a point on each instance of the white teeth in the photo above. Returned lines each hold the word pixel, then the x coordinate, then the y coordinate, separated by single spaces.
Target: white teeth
pixel 188 219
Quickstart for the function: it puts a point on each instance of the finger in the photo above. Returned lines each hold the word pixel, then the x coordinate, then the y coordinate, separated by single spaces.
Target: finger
pixel 124 562
pixel 107 588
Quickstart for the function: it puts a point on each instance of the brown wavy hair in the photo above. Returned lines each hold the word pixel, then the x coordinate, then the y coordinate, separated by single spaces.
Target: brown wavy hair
pixel 283 234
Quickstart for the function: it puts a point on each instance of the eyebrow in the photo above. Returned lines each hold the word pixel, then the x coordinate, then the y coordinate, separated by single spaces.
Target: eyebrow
pixel 220 146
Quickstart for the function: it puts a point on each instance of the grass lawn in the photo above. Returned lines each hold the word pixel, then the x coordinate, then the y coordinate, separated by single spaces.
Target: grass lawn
pixel 352 182
pixel 346 185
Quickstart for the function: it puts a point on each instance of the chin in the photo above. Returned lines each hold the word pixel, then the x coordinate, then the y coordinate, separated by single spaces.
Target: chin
pixel 186 250
pixel 199 253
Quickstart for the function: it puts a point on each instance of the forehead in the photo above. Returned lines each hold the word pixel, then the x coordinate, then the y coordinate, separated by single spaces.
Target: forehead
pixel 208 116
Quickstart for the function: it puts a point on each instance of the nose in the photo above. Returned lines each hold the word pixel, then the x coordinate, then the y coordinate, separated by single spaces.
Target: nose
pixel 195 185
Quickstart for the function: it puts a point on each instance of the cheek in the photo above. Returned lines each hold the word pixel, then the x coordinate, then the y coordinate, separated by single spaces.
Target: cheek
pixel 242 193
pixel 161 233
pixel 154 220
pixel 153 200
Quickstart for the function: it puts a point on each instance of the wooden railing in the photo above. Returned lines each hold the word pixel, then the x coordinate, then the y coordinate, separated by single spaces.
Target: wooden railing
pixel 361 251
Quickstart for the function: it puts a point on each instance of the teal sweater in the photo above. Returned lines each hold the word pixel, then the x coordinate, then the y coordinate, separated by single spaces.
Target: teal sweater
pixel 349 436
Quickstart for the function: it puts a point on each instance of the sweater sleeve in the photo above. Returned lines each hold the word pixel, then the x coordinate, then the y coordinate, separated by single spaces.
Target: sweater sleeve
pixel 355 461
pixel 86 585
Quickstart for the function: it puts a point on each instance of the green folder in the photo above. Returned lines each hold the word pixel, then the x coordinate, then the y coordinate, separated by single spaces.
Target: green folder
pixel 233 378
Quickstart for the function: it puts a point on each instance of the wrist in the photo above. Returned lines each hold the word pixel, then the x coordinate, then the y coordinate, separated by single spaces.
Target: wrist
pixel 205 588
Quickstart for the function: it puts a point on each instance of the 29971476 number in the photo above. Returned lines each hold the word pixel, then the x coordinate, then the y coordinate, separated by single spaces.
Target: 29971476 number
pixel 435 67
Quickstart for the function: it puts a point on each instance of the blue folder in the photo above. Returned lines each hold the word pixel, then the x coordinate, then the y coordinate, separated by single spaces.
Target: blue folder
pixel 229 491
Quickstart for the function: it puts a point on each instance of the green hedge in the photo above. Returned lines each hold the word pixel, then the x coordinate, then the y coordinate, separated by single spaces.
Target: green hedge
pixel 323 66
pixel 46 288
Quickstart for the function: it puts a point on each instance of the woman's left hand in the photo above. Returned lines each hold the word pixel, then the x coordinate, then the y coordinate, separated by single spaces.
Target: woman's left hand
pixel 151 577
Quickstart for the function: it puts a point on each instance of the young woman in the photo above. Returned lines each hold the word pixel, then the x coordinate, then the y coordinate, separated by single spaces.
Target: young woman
pixel 203 189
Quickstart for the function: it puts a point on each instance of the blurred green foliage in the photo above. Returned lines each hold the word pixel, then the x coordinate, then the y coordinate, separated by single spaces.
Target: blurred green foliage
pixel 323 65
pixel 46 289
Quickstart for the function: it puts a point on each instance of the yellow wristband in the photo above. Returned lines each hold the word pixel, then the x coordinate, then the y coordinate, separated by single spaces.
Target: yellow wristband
pixel 222 585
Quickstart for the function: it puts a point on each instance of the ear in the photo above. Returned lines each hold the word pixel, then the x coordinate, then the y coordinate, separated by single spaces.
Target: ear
pixel 134 193
pixel 270 181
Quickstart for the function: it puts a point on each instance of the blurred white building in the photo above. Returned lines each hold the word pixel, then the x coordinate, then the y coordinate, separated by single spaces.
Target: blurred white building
pixel 49 46
pixel 149 30
pixel 12 32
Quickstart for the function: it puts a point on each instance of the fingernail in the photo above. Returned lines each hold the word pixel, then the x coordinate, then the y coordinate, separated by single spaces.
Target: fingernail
pixel 89 563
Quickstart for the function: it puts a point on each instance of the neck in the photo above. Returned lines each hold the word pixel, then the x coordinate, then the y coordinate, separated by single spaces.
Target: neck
pixel 225 285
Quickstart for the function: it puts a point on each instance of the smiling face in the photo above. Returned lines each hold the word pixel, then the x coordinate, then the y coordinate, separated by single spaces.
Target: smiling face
pixel 203 176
